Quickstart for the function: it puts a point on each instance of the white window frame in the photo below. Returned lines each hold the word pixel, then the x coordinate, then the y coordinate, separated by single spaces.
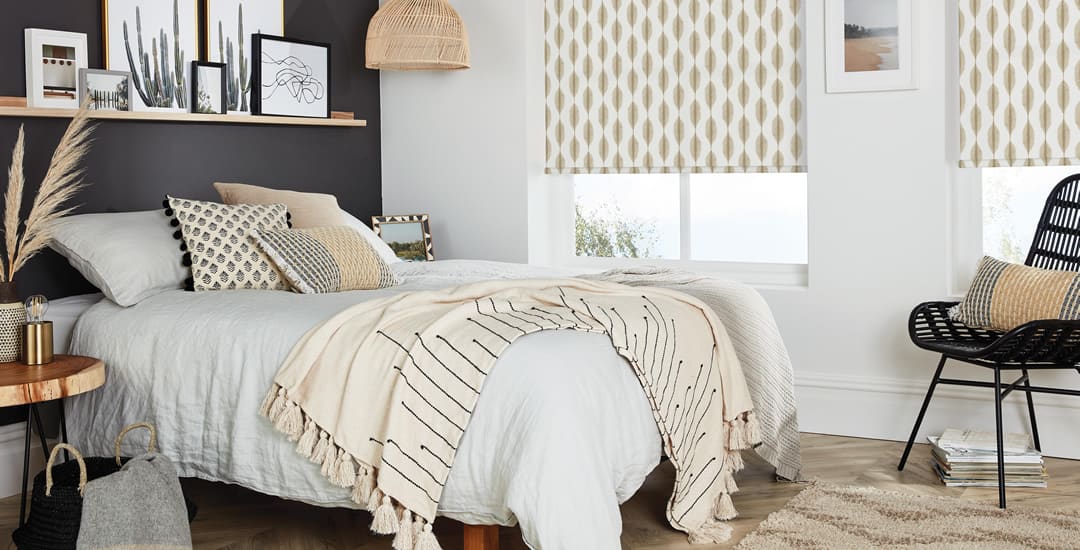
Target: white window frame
pixel 561 248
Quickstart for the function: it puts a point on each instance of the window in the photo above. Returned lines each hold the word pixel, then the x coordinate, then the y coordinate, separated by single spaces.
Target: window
pixel 738 218
pixel 1013 199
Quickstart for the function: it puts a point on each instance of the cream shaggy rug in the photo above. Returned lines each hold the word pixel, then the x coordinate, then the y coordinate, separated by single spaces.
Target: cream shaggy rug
pixel 830 516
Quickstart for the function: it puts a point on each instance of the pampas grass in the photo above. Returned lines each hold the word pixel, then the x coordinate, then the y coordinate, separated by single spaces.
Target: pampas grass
pixel 12 202
pixel 62 181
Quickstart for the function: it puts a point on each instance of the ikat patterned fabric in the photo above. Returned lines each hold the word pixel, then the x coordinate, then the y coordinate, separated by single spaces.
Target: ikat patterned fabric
pixel 326 259
pixel 691 86
pixel 219 241
pixel 1004 296
pixel 1019 83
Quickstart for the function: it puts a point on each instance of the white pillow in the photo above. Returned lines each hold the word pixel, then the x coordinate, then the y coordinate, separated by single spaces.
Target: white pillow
pixel 130 256
pixel 384 250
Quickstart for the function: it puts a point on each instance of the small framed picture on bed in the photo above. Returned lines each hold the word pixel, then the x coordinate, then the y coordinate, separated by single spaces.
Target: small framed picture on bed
pixel 408 236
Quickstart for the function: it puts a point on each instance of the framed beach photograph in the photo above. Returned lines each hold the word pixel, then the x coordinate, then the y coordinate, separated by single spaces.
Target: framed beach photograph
pixel 154 40
pixel 209 95
pixel 53 60
pixel 106 90
pixel 870 45
pixel 408 236
pixel 292 77
pixel 229 25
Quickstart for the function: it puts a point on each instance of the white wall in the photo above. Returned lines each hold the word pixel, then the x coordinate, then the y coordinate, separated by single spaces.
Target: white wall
pixel 468 148
pixel 455 145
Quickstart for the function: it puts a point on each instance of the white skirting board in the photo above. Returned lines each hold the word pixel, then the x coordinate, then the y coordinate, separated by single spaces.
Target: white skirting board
pixel 857 406
pixel 11 458
pixel 885 408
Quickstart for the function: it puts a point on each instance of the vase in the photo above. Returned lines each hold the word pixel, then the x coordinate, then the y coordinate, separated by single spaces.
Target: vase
pixel 12 317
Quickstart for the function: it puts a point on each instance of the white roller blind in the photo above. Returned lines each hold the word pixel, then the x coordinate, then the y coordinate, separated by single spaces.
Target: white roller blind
pixel 1019 83
pixel 646 86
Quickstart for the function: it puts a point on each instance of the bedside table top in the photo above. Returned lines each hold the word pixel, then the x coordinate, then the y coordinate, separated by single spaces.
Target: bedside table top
pixel 67 375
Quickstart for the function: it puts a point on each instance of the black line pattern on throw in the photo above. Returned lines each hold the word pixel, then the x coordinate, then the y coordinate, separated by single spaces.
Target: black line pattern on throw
pixel 648 341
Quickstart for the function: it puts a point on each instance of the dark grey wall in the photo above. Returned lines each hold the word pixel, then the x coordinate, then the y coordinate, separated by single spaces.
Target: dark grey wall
pixel 134 164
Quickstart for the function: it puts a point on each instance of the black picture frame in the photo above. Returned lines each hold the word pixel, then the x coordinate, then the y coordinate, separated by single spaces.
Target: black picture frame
pixel 315 88
pixel 423 220
pixel 221 84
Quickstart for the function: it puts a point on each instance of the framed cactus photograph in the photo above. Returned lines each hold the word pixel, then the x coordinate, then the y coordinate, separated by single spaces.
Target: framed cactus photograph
pixel 229 25
pixel 156 41
pixel 208 90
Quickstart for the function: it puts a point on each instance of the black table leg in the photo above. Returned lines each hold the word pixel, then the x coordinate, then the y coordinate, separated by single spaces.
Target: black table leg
pixel 25 471
pixel 63 429
pixel 36 415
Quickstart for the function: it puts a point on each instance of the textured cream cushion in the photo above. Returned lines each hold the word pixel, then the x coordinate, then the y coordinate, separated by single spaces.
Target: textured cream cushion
pixel 130 256
pixel 380 246
pixel 307 209
pixel 220 243
pixel 1004 296
pixel 320 260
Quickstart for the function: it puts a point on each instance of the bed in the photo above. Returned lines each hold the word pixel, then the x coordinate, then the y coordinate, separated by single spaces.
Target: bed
pixel 560 479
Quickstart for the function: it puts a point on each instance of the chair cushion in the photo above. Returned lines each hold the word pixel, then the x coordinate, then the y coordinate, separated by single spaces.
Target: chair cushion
pixel 1004 296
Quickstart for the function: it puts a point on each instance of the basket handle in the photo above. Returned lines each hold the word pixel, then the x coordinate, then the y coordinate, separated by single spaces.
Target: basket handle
pixel 120 438
pixel 52 458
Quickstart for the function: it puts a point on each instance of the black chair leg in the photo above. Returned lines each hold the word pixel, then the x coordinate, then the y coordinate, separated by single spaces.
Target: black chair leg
pixel 1000 438
pixel 1031 413
pixel 922 413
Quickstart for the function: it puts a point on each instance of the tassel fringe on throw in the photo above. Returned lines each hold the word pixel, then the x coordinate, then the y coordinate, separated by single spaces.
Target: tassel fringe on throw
pixel 391 518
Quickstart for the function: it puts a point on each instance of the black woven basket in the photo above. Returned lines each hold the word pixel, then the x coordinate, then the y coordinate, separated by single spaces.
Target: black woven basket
pixel 56 503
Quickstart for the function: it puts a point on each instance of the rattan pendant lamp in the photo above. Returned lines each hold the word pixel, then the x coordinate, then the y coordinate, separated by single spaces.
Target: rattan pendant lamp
pixel 417 35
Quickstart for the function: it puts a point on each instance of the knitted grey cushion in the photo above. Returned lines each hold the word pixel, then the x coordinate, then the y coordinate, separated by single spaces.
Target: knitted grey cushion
pixel 141 507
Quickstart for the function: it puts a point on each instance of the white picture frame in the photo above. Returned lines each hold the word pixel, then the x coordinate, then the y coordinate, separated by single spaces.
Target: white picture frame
pixel 178 22
pixel 871 45
pixel 224 20
pixel 53 60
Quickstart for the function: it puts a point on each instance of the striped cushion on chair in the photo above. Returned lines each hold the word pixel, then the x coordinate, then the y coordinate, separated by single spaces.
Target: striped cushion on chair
pixel 1004 296
pixel 320 260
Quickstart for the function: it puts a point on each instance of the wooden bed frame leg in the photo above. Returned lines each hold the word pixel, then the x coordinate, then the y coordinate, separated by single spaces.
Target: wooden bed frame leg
pixel 481 537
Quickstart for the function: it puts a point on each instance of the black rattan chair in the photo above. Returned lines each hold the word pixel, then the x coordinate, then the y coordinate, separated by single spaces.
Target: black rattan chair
pixel 1038 345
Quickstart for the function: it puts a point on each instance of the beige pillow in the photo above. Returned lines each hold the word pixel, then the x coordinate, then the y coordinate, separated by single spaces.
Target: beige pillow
pixel 306 209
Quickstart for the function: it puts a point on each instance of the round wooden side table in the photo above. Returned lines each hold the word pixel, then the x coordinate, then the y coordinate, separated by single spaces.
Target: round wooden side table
pixel 21 384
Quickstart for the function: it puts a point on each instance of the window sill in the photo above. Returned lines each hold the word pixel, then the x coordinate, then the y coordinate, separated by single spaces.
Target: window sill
pixel 758 275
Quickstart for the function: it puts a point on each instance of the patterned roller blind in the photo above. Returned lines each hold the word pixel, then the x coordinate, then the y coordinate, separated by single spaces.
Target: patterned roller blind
pixel 1019 82
pixel 649 86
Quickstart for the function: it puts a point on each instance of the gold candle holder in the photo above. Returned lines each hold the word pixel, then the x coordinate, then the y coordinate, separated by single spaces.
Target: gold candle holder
pixel 37 343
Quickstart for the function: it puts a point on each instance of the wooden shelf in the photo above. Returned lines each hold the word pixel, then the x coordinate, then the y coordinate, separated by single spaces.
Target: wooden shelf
pixel 140 116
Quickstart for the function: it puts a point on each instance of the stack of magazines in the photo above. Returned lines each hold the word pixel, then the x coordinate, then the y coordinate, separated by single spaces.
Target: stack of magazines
pixel 968 458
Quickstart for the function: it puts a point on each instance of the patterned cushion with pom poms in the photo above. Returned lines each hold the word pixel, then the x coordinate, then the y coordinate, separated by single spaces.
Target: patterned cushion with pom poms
pixel 219 246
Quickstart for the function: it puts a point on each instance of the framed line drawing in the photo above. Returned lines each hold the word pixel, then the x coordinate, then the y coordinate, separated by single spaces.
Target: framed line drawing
pixel 292 77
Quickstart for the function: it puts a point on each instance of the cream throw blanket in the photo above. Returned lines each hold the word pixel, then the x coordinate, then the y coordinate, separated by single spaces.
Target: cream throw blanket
pixel 762 353
pixel 381 394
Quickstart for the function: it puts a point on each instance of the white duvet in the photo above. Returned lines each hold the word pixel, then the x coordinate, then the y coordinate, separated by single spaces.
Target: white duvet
pixel 197 365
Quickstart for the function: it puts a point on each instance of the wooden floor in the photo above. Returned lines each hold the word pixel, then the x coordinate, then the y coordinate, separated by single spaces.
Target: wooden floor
pixel 235 519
